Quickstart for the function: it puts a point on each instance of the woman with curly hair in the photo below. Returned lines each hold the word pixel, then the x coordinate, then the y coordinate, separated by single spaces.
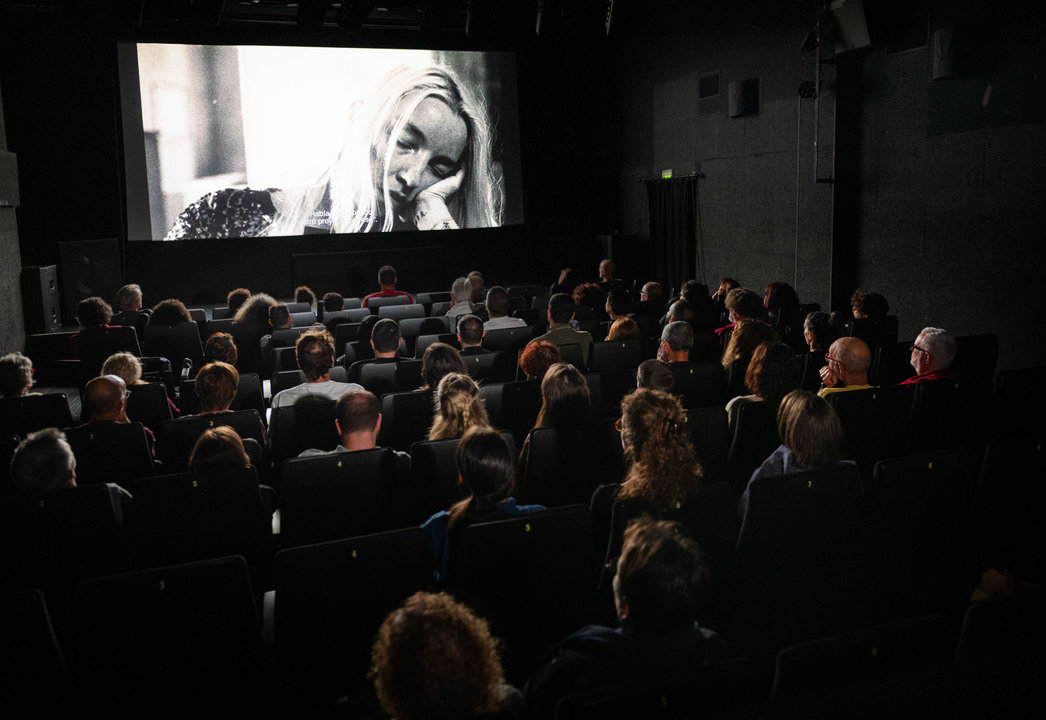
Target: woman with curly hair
pixel 458 407
pixel 169 312
pixel 249 325
pixel 662 468
pixel 773 372
pixel 220 347
pixel 435 658
pixel 16 375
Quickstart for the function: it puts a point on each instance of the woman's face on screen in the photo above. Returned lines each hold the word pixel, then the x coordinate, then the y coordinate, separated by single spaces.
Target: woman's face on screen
pixel 428 150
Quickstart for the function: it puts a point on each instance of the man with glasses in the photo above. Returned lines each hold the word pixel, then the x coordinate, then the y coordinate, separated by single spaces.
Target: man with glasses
pixel 932 355
pixel 106 398
pixel 848 361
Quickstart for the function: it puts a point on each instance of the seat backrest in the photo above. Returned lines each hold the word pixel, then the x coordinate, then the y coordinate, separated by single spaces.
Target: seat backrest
pixel 198 515
pixel 302 319
pixel 482 366
pixel 299 307
pixel 110 452
pixel 33 665
pixel 518 409
pixel 375 303
pixel 400 376
pixel 419 326
pixel 148 405
pixel 98 343
pixel 976 356
pixel 176 343
pixel 405 418
pixel 439 309
pixel 710 435
pixel 288 337
pixel 399 312
pixel 330 600
pixel 615 355
pixel 755 437
pixel 194 627
pixel 529 575
pixel 699 385
pixel 423 341
pixel 1019 396
pixel 303 425
pixel 427 298
pixel 222 313
pixel 52 542
pixel 179 436
pixel 28 413
pixel 329 497
pixel 219 324
pixel 573 354
pixel 507 337
pixel 891 364
pixel 249 395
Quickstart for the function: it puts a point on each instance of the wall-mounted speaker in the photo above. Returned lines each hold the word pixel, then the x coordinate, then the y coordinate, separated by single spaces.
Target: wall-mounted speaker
pixel 40 299
pixel 743 97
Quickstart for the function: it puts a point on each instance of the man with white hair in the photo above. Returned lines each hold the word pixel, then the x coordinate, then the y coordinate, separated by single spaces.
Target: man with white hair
pixel 461 299
pixel 43 463
pixel 932 355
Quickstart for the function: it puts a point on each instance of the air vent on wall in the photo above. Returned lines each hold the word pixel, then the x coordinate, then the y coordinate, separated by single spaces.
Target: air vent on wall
pixel 708 85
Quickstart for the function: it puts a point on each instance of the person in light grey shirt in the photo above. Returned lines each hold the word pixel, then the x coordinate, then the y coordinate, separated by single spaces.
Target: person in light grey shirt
pixel 315 354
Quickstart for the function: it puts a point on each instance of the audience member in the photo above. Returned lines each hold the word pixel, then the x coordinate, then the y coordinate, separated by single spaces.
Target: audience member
pixel 236 298
pixel 387 282
pixel 434 658
pixel 932 355
pixel 780 299
pixel 566 407
pixel 868 304
pixel 660 580
pixel 470 335
pixel 220 347
pixel 106 398
pixel 129 305
pixel 537 357
pixel 383 343
pixel 169 312
pixel 741 303
pixel 662 469
pixel 439 360
pixel 476 278
pixel 460 298
pixel 16 375
pixel 333 302
pixel 590 296
pixel 623 329
pixel 608 280
pixel 129 368
pixel 303 293
pixel 772 373
pixel 358 422
pixel 497 311
pixel 217 448
pixel 653 293
pixel 726 284
pixel 249 326
pixel 679 311
pixel 458 407
pixel 280 316
pixel 216 384
pixel 655 375
pixel 706 313
pixel 747 336
pixel 487 475
pixel 43 463
pixel 818 332
pixel 848 361
pixel 618 305
pixel 811 438
pixel 676 340
pixel 314 352
pixel 560 312
pixel 94 312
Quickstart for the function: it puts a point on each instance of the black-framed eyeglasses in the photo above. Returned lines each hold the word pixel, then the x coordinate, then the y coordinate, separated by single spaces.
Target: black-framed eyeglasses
pixel 913 346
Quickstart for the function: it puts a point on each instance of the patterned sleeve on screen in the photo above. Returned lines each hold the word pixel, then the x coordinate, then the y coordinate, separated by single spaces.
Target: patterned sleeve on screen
pixel 228 213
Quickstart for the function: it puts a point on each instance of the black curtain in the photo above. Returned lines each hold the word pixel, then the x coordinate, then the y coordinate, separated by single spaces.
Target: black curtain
pixel 673 228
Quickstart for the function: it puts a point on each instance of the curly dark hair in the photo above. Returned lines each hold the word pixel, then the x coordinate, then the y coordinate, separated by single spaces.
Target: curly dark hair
pixel 433 657
pixel 170 312
pixel 662 467
pixel 220 346
pixel 94 312
pixel 315 353
pixel 870 304
pixel 255 310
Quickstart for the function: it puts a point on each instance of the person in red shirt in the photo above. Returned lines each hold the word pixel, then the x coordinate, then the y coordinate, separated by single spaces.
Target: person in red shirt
pixel 932 355
pixel 387 282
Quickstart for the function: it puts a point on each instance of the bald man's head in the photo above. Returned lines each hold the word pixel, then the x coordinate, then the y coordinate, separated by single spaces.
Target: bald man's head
pixel 854 357
pixel 105 396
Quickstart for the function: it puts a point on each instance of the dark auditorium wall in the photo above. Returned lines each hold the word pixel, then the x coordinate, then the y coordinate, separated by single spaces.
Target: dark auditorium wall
pixel 12 329
pixel 938 200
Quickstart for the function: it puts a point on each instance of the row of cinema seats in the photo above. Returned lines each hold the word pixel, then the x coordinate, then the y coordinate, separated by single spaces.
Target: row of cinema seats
pixel 850 566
